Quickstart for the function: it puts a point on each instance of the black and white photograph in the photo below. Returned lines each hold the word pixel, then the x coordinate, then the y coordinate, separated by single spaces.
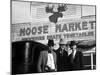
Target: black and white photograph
pixel 52 37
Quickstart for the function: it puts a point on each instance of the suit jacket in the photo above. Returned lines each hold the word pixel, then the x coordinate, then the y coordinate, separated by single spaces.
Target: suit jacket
pixel 63 60
pixel 77 62
pixel 42 62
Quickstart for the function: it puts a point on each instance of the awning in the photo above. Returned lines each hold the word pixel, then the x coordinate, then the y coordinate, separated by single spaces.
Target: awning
pixel 93 50
pixel 87 42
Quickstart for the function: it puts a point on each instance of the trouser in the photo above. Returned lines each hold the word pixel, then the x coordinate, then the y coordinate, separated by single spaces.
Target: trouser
pixel 47 69
pixel 50 70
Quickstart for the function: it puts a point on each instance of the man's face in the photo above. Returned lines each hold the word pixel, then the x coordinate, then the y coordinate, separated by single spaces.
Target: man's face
pixel 74 47
pixel 68 47
pixel 62 46
pixel 51 47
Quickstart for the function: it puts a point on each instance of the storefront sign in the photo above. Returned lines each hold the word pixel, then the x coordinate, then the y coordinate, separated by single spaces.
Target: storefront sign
pixel 72 29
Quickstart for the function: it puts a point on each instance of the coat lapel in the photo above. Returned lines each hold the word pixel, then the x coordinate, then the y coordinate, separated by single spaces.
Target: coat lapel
pixel 54 56
pixel 46 57
pixel 75 55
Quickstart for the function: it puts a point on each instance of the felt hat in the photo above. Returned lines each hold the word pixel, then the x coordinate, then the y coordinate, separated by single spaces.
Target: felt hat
pixel 62 41
pixel 68 43
pixel 50 42
pixel 72 43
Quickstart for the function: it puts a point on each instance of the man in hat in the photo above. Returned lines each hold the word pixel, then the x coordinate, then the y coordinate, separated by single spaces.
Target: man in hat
pixel 76 57
pixel 62 56
pixel 68 58
pixel 47 59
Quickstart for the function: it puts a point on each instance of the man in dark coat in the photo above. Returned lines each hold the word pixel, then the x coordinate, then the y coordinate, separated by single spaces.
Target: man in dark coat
pixel 63 60
pixel 76 57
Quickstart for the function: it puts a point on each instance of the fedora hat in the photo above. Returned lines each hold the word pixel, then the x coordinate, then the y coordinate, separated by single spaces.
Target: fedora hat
pixel 72 43
pixel 62 41
pixel 68 43
pixel 50 42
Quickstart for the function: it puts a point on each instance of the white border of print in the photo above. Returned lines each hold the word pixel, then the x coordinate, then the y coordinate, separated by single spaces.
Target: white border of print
pixel 5 51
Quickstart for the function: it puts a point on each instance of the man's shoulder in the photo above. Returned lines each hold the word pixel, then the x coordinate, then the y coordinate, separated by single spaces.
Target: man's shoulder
pixel 58 49
pixel 79 52
pixel 54 52
pixel 43 52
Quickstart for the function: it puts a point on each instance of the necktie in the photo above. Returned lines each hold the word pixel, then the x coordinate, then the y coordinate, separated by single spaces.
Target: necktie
pixel 72 57
pixel 49 51
pixel 61 52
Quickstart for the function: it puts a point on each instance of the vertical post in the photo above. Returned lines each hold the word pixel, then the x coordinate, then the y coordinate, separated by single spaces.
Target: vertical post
pixel 81 11
pixel 26 52
pixel 26 57
pixel 92 61
pixel 30 6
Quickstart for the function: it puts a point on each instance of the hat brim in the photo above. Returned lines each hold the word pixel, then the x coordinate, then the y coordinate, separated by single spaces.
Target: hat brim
pixel 50 44
pixel 73 44
pixel 61 44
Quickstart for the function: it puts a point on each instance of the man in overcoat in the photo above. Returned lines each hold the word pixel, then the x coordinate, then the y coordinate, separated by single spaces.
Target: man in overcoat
pixel 47 59
pixel 76 57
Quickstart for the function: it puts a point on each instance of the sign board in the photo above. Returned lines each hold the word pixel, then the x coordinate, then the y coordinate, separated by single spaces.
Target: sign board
pixel 74 29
